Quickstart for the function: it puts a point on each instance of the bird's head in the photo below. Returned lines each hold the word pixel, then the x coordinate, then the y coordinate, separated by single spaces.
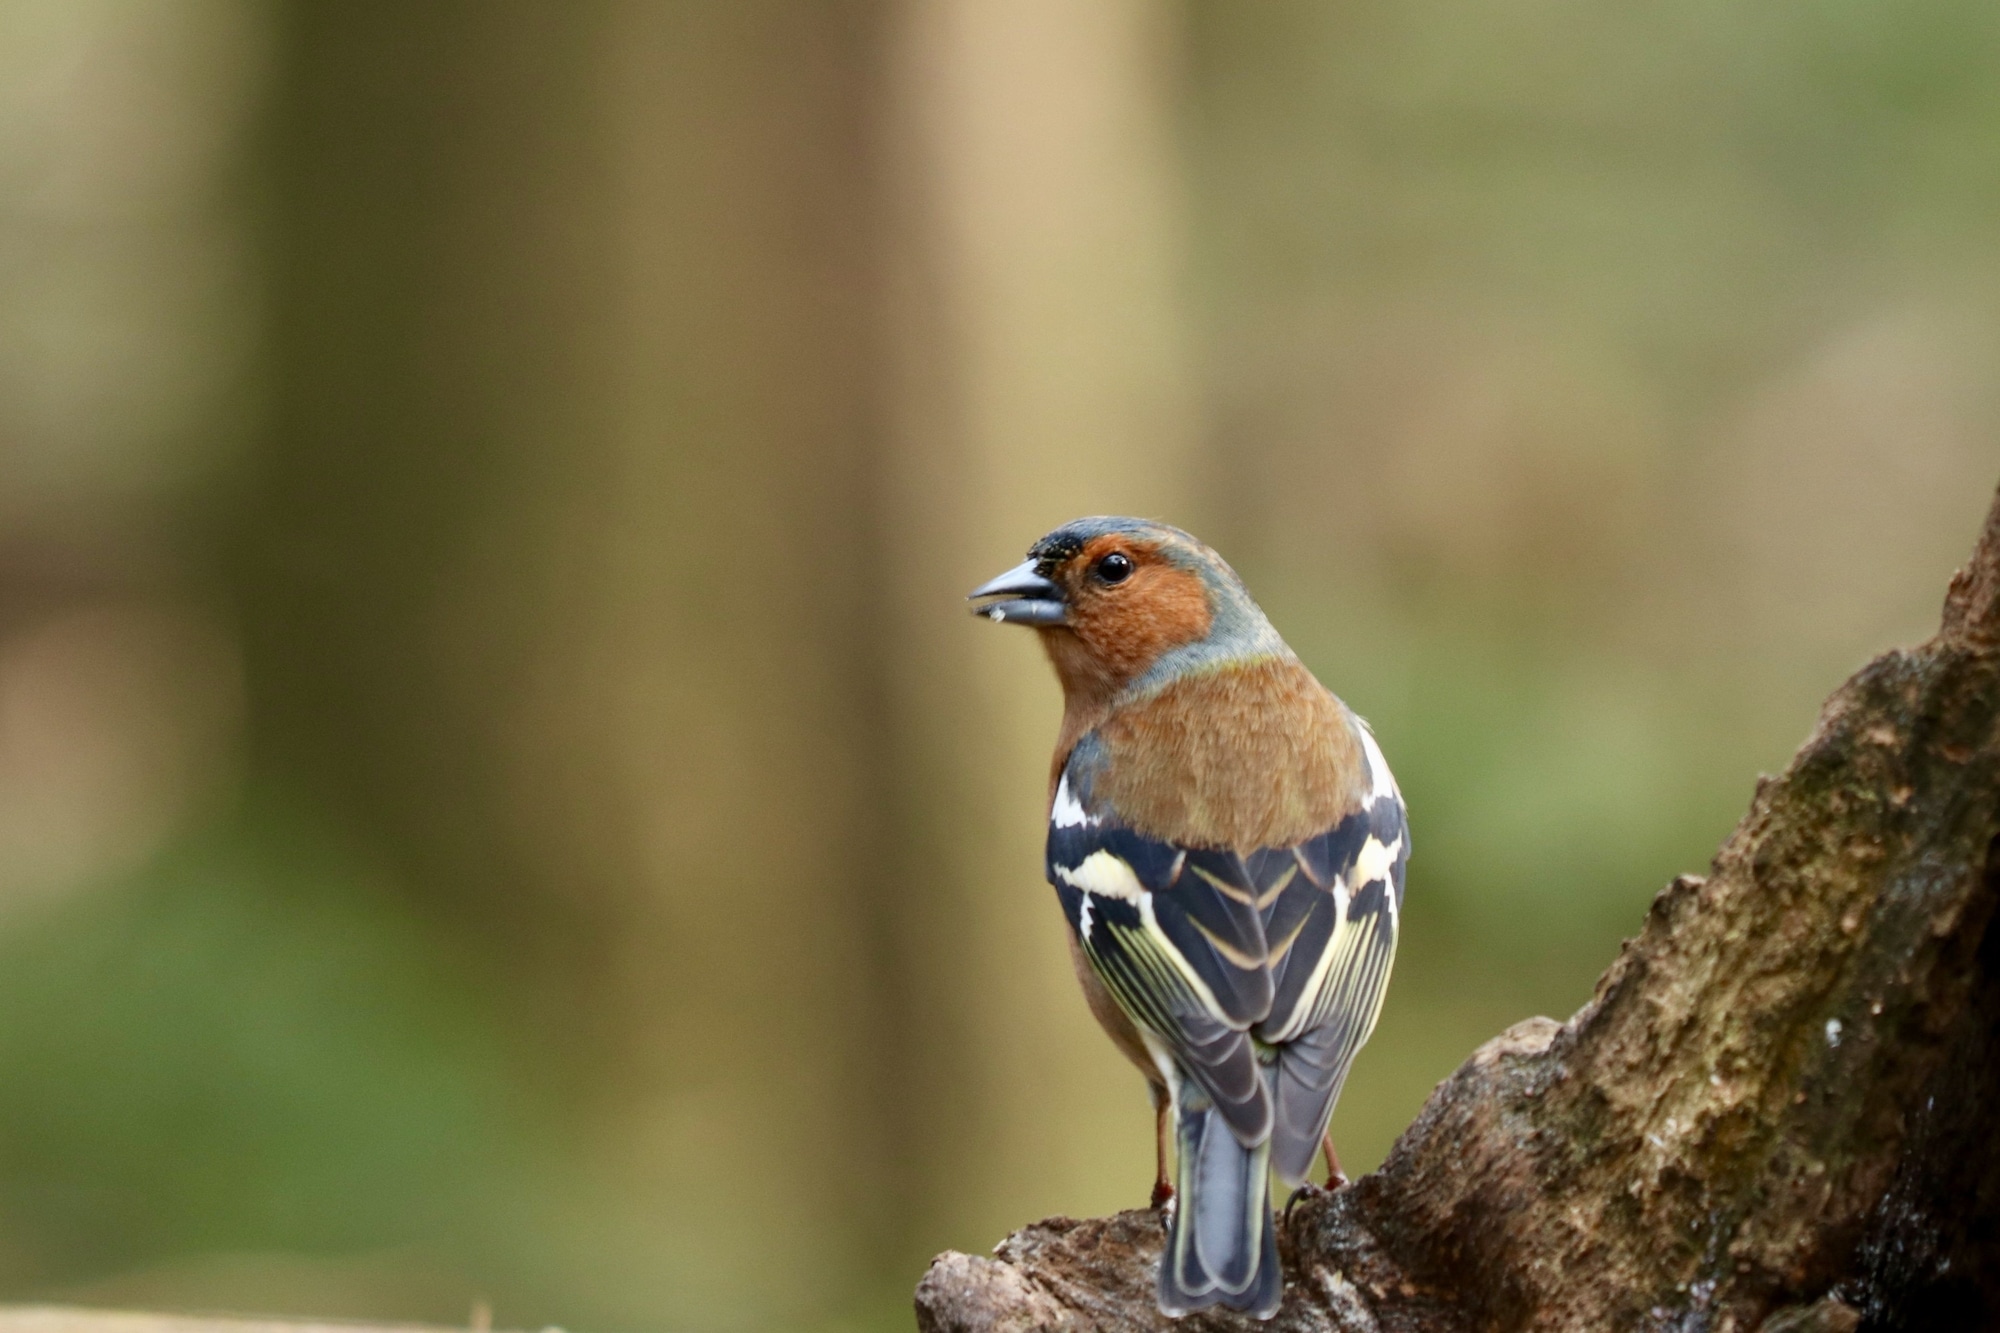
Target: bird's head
pixel 1122 603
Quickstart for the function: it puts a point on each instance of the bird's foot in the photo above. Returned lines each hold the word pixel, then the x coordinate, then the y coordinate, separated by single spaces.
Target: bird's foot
pixel 1306 1190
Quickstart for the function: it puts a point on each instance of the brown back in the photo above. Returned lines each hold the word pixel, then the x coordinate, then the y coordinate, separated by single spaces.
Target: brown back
pixel 1250 755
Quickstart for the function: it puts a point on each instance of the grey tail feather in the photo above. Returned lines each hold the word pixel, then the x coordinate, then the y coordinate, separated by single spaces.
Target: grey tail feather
pixel 1222 1248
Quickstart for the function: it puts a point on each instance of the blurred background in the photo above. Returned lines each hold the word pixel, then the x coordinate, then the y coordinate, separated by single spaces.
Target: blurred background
pixel 499 796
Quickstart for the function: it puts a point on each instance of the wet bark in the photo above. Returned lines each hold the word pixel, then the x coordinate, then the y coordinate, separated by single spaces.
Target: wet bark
pixel 1777 1112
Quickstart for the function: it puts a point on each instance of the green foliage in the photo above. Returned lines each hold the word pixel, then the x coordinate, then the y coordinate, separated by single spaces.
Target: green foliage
pixel 248 1046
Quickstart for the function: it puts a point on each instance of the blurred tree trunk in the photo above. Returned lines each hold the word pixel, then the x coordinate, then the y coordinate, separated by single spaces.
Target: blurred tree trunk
pixel 556 580
pixel 1778 1112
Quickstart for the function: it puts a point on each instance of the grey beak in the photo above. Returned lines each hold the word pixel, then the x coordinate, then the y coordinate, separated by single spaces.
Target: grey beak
pixel 1026 598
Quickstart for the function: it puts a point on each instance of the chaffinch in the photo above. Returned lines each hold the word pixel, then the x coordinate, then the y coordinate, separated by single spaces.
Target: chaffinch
pixel 1228 845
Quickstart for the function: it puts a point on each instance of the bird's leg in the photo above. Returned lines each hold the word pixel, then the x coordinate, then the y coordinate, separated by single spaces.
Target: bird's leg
pixel 1335 1177
pixel 1163 1190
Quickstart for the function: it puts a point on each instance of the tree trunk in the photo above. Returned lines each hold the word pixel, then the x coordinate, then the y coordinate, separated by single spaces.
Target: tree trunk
pixel 1777 1112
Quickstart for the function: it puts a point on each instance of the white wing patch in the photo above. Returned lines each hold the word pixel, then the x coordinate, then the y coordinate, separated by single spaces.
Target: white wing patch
pixel 1105 874
pixel 1381 782
pixel 1068 811
pixel 1375 860
pixel 1083 918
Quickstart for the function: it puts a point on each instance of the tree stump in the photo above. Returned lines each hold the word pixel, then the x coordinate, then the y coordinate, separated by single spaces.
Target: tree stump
pixel 1776 1113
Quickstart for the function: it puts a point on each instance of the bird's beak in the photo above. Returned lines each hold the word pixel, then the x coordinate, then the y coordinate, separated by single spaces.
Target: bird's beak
pixel 1026 598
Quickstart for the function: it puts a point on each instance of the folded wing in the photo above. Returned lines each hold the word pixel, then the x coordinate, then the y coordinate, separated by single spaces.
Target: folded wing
pixel 1331 908
pixel 1178 939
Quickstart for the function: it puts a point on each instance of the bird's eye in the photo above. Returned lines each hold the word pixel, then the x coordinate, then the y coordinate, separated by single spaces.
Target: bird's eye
pixel 1114 568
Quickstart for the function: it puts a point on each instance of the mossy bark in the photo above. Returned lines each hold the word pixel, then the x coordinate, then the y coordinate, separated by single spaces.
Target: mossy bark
pixel 1777 1112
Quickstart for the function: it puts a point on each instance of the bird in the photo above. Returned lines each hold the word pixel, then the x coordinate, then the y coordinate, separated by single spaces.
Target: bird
pixel 1228 846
